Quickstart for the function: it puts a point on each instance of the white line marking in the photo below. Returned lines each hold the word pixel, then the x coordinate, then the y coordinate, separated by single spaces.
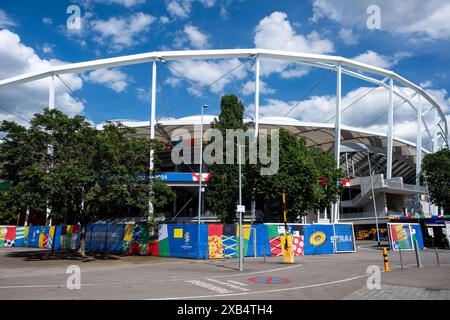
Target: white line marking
pixel 266 291
pixel 233 286
pixel 242 284
pixel 209 286
pixel 154 281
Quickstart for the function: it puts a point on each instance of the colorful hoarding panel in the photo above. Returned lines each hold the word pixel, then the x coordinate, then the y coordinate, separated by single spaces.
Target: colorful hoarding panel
pixel 343 235
pixel 105 237
pixel 275 234
pixel 229 241
pixel 400 236
pixel 417 234
pixel 215 244
pixel 319 239
pixel 188 241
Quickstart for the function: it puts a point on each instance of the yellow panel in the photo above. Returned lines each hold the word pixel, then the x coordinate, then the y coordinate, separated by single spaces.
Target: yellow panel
pixel 178 233
pixel 128 233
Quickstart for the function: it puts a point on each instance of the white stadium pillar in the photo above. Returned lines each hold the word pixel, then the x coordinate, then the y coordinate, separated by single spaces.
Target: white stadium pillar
pixel 51 93
pixel 419 141
pixel 435 130
pixel 257 71
pixel 337 133
pixel 390 132
pixel 51 106
pixel 152 134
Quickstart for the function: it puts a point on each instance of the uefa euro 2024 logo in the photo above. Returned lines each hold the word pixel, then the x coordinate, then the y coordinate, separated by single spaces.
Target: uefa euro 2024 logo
pixel 187 238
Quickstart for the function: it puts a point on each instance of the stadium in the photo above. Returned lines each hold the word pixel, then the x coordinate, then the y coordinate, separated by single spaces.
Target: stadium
pixel 383 168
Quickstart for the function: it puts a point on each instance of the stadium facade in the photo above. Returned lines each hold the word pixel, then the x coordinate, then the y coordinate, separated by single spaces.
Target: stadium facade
pixel 395 162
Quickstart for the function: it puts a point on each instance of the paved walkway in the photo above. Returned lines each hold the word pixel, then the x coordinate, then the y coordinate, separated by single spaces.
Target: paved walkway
pixel 394 292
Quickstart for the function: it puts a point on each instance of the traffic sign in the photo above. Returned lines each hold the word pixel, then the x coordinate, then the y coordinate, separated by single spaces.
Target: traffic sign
pixel 240 209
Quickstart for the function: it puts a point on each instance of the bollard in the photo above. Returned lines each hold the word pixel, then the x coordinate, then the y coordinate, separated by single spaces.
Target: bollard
pixel 437 256
pixel 401 260
pixel 416 249
pixel 386 261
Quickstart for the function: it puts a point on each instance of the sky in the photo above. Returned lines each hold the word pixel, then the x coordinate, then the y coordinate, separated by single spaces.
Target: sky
pixel 412 39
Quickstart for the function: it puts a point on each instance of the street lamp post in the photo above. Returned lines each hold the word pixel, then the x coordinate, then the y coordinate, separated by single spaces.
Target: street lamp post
pixel 373 196
pixel 201 168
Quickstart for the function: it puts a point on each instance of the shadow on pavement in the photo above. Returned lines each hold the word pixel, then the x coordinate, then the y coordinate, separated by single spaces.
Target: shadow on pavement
pixel 45 255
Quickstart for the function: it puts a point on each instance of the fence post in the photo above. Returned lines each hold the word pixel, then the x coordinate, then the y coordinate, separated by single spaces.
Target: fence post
pixel 416 249
pixel 401 260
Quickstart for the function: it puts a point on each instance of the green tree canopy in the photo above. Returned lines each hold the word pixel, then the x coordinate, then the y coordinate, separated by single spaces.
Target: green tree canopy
pixel 222 191
pixel 436 169
pixel 68 165
pixel 300 169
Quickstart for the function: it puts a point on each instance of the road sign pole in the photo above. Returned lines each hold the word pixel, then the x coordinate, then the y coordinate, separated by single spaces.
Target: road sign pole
pixel 241 234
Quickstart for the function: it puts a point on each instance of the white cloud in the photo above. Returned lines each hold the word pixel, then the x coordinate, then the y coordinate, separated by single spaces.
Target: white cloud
pixel 203 73
pixel 348 37
pixel 164 19
pixel 27 99
pixel 368 113
pixel 250 86
pixel 179 9
pixel 126 3
pixel 379 60
pixel 47 21
pixel 5 20
pixel 428 18
pixel 121 32
pixel 113 79
pixel 276 32
pixel 47 48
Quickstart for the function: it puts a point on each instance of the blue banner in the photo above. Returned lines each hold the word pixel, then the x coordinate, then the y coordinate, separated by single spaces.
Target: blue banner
pixel 262 241
pixel 101 237
pixel 319 239
pixel 344 238
pixel 418 235
pixel 184 241
pixel 33 236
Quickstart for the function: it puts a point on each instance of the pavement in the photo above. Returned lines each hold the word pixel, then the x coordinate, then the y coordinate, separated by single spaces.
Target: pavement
pixel 27 273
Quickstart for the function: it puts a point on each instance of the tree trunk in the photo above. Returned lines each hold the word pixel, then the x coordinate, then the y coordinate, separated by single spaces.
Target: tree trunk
pixel 82 250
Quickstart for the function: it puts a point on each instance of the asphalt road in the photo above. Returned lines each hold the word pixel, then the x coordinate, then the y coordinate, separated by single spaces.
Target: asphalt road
pixel 29 274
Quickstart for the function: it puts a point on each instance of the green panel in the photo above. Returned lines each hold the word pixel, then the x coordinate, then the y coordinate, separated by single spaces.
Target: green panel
pixel 5 186
pixel 163 247
pixel 272 231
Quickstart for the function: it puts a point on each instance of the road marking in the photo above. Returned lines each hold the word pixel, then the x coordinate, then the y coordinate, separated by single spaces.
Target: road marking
pixel 209 286
pixel 230 285
pixel 264 291
pixel 242 284
pixel 148 282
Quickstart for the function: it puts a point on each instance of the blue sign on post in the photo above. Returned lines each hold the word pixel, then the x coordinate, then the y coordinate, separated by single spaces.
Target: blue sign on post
pixel 319 239
pixel 343 235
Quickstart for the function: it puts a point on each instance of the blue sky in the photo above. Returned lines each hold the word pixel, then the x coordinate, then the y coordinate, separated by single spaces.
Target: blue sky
pixel 413 40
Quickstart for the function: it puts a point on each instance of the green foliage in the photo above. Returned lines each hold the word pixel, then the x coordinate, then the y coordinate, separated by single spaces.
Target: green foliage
pixel 436 169
pixel 300 168
pixel 222 191
pixel 87 173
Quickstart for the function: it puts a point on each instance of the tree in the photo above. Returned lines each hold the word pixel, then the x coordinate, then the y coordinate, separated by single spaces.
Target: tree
pixel 300 168
pixel 222 191
pixel 87 173
pixel 436 170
